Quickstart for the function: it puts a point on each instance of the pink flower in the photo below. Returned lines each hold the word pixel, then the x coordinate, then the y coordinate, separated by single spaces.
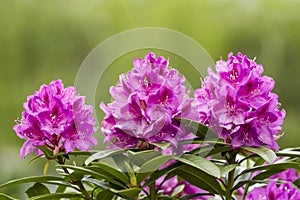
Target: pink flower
pixel 146 101
pixel 57 118
pixel 237 103
pixel 273 191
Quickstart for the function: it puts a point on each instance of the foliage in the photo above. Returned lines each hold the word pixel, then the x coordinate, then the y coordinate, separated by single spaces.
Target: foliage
pixel 134 170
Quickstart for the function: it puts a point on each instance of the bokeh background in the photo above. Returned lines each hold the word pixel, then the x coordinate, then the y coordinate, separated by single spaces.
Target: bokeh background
pixel 45 40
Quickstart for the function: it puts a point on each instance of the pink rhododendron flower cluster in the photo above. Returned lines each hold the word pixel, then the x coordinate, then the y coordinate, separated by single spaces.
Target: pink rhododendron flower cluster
pixel 146 101
pixel 238 104
pixel 279 187
pixel 273 191
pixel 57 118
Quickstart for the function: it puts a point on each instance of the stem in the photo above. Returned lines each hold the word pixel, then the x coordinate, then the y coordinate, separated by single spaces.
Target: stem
pixel 245 191
pixel 60 160
pixel 247 185
pixel 230 181
pixel 152 191
pixel 83 190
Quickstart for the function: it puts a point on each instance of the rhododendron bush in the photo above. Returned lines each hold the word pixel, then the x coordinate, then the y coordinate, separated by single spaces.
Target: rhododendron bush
pixel 162 141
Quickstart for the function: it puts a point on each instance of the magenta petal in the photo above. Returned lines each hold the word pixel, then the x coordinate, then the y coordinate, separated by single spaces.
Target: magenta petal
pixel 56 116
pixel 239 96
pixel 27 148
pixel 144 104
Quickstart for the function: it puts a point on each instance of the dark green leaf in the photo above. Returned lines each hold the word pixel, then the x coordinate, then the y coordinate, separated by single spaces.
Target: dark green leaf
pixel 209 151
pixel 93 171
pixel 102 154
pixel 140 157
pixel 198 129
pixel 47 152
pixel 112 172
pixel 6 197
pixel 55 196
pixel 75 176
pixel 150 166
pixel 162 172
pixel 270 167
pixel 61 189
pixel 130 192
pixel 250 182
pixel 40 179
pixel 199 178
pixel 36 190
pixel 35 158
pixel 167 198
pixel 200 163
pixel 105 195
pixel 267 154
pixel 267 173
pixel 192 196
pixel 82 153
pixel 297 183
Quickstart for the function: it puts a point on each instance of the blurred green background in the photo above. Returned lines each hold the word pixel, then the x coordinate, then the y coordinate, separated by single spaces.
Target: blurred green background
pixel 45 40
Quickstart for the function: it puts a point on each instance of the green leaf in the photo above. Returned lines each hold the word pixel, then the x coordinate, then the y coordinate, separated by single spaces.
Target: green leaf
pixel 6 197
pixel 93 171
pixel 177 190
pixel 193 196
pixel 131 174
pixel 55 196
pixel 37 189
pixel 130 192
pixel 250 182
pixel 226 169
pixel 162 145
pixel 200 163
pixel 83 153
pixel 40 179
pixel 150 166
pixel 47 152
pixel 266 174
pixel 61 189
pixel 267 154
pixel 103 185
pixel 209 151
pixel 297 183
pixel 167 198
pixel 120 161
pixel 139 158
pixel 34 158
pixel 198 129
pixel 270 167
pixel 199 178
pixel 102 154
pixel 105 195
pixel 154 164
pixel 112 172
pixel 75 176
pixel 289 152
pixel 157 174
